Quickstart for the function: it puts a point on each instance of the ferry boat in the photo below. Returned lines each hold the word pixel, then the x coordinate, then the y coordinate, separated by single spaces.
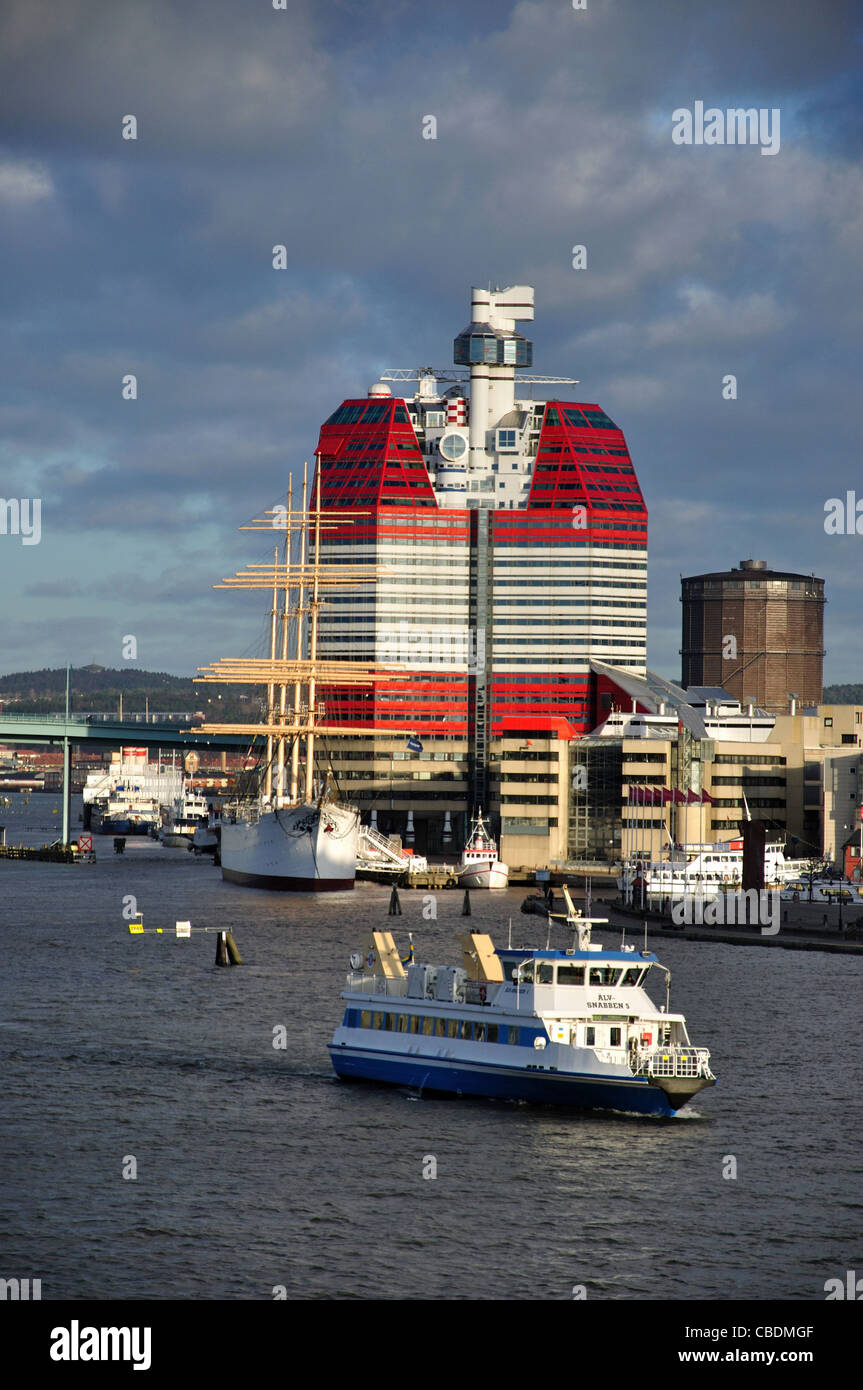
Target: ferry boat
pixel 703 870
pixel 124 798
pixel 480 866
pixel 570 1027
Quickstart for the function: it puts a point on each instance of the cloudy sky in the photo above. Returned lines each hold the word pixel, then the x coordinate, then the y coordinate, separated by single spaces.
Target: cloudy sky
pixel 303 126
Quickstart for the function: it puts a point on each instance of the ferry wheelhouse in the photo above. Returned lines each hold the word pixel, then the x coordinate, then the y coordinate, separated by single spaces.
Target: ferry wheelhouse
pixel 572 1027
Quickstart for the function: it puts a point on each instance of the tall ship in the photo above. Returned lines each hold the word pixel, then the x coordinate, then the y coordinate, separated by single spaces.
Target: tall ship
pixel 294 832
pixel 570 1027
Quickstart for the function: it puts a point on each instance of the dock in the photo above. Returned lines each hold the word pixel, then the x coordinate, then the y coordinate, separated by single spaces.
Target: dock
pixel 45 854
pixel 802 937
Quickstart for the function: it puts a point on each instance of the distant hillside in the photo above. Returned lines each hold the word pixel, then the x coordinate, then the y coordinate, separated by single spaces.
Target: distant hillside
pixel 99 688
pixel 843 694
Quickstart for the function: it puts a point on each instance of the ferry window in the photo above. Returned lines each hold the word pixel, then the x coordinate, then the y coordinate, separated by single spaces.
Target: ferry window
pixel 391 1022
pixel 366 1018
pixel 377 1020
pixel 479 1032
pixel 614 1037
pixel 440 1027
pixel 492 1032
pixel 415 1023
pixel 527 973
pixel 570 974
pixel 428 1025
pixel 590 1037
pixel 466 1028
pixel 452 1031
pixel 403 1023
pixel 604 975
pixel 513 1037
pixel 545 975
pixel 631 977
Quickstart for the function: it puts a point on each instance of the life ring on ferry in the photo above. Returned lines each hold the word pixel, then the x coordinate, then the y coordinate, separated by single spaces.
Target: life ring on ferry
pixel 483 992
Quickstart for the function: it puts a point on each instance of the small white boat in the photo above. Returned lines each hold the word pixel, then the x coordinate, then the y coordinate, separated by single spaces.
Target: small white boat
pixel 822 890
pixel 480 866
pixel 207 838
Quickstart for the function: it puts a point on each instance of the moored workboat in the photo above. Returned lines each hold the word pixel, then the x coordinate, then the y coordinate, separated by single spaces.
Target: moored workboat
pixel 480 866
pixel 189 811
pixel 571 1027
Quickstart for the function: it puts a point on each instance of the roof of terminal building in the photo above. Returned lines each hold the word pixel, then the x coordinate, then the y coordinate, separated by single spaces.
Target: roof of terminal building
pixel 652 690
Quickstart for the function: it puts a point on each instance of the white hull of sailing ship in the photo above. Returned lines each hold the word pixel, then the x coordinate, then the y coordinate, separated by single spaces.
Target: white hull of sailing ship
pixel 299 849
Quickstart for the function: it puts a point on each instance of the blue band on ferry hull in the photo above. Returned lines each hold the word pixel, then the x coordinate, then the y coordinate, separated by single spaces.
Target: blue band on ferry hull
pixel 501 1083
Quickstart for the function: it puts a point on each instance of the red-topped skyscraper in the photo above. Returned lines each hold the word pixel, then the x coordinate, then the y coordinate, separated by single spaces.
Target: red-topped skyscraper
pixel 516 536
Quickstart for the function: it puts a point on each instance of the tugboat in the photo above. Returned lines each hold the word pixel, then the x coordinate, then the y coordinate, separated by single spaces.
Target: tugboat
pixel 573 1027
pixel 480 866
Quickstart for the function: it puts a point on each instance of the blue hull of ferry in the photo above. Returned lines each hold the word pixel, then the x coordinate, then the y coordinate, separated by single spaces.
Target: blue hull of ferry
pixel 501 1083
pixel 119 825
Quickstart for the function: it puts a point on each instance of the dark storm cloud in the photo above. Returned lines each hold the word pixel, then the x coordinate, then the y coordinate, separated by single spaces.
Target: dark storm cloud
pixel 258 127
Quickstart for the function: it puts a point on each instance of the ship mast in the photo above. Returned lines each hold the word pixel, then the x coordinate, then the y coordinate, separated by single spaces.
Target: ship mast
pixel 314 606
pixel 310 577
pixel 295 747
pixel 271 689
pixel 283 689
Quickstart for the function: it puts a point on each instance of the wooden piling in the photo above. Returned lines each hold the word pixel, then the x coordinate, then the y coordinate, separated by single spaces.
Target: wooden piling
pixel 465 908
pixel 236 958
pixel 395 909
pixel 222 949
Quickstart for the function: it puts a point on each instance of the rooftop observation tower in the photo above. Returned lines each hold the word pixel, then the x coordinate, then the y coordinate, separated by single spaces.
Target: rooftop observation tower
pixel 517 534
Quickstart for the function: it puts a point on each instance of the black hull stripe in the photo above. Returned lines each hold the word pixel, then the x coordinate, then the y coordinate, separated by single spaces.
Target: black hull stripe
pixel 287 885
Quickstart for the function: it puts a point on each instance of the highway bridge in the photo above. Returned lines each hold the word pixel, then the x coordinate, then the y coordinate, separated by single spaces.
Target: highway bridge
pixel 105 730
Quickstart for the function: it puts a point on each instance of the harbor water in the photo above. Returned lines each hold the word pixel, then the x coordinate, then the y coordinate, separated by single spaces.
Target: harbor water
pixel 250 1169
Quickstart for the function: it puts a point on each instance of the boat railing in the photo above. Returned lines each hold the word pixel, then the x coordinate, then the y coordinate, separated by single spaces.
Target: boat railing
pixel 377 984
pixel 673 1061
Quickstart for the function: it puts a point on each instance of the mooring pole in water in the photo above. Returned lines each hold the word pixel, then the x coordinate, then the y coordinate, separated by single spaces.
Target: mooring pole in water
pixel 67 775
pixel 465 907
pixel 235 957
pixel 395 909
pixel 222 949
